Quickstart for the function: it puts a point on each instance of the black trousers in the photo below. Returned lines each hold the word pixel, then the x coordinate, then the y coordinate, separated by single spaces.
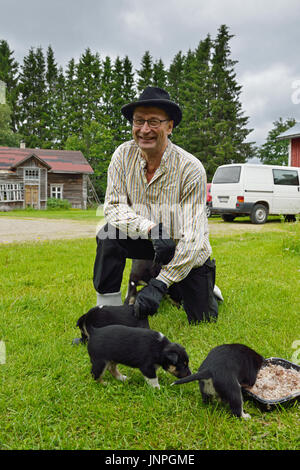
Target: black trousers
pixel 195 291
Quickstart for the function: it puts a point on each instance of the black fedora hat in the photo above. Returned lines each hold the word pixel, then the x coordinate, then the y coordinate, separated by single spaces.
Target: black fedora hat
pixel 154 96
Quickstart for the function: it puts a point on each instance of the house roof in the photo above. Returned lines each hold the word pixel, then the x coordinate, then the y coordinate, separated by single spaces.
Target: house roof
pixel 58 161
pixel 292 132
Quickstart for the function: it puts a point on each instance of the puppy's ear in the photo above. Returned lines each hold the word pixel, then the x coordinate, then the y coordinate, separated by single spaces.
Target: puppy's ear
pixel 172 356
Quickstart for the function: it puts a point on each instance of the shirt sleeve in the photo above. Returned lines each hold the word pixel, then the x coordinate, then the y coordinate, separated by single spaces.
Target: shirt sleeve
pixel 117 210
pixel 193 247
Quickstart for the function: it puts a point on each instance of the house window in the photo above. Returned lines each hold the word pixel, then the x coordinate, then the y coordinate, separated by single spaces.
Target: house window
pixel 56 191
pixel 31 174
pixel 10 192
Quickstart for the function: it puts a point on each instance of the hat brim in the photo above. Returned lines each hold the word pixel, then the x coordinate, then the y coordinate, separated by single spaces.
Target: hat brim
pixel 171 108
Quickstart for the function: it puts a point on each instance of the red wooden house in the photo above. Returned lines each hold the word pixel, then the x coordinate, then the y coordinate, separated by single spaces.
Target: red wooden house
pixel 293 135
pixel 28 177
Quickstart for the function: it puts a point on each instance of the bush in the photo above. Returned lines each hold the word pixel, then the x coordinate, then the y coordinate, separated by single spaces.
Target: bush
pixel 54 203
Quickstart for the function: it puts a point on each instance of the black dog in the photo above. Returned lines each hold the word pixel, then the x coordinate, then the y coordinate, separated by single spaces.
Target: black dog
pixel 98 317
pixel 223 372
pixel 135 347
pixel 142 270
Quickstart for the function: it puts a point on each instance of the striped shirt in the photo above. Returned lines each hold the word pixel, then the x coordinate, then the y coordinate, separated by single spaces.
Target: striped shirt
pixel 175 196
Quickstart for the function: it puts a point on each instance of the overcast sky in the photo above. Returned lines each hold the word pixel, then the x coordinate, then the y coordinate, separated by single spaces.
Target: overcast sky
pixel 265 44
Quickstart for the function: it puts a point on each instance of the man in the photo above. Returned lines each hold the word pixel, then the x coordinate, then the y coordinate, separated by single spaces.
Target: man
pixel 155 208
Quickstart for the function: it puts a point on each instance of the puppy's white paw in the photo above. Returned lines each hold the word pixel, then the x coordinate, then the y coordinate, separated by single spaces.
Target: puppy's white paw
pixel 246 415
pixel 153 382
pixel 122 378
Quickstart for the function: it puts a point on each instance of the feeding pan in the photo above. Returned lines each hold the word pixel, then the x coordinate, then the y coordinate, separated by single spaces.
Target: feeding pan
pixel 270 404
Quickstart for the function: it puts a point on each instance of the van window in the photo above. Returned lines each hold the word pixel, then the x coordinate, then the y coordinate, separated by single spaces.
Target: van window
pixel 286 177
pixel 227 174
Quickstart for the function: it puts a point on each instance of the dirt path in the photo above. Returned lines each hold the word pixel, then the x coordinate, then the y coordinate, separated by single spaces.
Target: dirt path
pixel 33 229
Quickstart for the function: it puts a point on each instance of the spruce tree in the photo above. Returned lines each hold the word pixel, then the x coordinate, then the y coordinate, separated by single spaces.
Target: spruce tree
pixel 116 99
pixel 128 94
pixel 71 107
pixel 182 134
pixel 204 136
pixel 88 86
pixel 106 84
pixel 122 92
pixel 145 73
pixel 194 100
pixel 53 112
pixel 61 131
pixel 159 78
pixel 32 100
pixel 129 83
pixel 229 124
pixel 9 74
pixel 175 78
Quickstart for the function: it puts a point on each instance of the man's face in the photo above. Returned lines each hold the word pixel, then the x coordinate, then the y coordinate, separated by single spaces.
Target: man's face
pixel 149 139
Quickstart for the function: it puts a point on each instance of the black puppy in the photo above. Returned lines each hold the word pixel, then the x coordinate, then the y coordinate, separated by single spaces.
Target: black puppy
pixel 142 270
pixel 98 317
pixel 223 372
pixel 135 347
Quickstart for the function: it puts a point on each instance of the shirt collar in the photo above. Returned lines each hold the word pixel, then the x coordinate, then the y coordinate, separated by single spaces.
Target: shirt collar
pixel 164 160
pixel 166 156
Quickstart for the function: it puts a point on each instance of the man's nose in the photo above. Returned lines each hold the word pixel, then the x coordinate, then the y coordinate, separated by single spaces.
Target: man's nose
pixel 145 127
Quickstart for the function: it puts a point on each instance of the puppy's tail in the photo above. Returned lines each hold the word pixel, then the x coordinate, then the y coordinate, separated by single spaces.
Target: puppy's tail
pixel 190 378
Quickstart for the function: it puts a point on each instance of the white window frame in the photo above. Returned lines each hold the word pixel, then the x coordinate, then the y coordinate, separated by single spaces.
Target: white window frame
pixel 11 192
pixel 31 174
pixel 55 190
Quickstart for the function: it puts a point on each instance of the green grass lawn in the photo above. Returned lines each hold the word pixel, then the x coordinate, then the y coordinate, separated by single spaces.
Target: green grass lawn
pixel 89 215
pixel 48 399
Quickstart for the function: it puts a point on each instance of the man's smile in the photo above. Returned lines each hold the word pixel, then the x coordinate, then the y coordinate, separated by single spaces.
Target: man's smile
pixel 146 139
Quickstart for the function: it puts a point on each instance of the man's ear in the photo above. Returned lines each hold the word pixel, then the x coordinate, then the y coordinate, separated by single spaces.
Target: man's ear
pixel 170 127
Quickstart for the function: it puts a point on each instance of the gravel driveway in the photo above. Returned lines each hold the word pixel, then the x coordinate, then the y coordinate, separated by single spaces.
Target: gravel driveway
pixel 33 229
pixel 19 230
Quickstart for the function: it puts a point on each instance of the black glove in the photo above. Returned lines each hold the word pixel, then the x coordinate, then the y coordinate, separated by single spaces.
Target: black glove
pixel 163 245
pixel 148 299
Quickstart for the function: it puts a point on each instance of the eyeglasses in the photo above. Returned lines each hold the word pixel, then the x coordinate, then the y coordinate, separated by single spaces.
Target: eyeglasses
pixel 152 123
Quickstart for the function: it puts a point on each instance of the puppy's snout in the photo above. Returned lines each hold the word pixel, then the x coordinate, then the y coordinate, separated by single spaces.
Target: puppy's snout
pixel 184 372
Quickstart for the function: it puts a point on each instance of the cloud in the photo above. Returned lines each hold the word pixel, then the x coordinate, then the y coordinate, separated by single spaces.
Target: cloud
pixel 267 96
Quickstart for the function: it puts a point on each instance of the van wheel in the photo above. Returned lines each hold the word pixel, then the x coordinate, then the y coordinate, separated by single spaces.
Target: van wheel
pixel 259 214
pixel 208 211
pixel 228 217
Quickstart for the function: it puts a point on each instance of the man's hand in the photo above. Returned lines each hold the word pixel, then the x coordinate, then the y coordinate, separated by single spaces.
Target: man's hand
pixel 148 299
pixel 163 245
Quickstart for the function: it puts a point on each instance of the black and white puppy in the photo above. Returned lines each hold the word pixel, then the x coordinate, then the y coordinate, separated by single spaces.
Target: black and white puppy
pixel 98 317
pixel 223 372
pixel 135 347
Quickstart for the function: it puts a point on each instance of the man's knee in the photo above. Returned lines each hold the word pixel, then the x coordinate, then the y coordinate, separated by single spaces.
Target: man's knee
pixel 107 231
pixel 109 242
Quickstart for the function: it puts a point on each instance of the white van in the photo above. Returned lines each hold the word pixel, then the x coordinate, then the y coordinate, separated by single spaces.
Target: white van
pixel 257 190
